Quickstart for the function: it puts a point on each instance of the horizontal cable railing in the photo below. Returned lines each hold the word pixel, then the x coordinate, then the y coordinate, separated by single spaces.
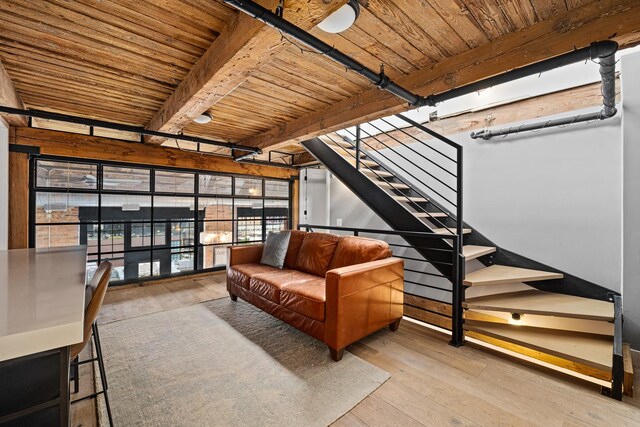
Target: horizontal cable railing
pixel 418 278
pixel 412 163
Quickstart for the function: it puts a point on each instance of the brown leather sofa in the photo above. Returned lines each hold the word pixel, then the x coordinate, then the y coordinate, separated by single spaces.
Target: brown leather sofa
pixel 336 289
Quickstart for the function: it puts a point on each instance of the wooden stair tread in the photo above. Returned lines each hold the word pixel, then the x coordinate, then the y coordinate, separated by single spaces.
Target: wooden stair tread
pixel 472 251
pixel 429 215
pixel 412 198
pixel 450 230
pixel 352 160
pixel 497 274
pixel 335 141
pixel 376 173
pixel 544 303
pixel 592 327
pixel 392 185
pixel 589 350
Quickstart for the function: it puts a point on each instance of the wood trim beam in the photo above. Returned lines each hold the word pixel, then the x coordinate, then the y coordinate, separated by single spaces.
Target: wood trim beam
pixel 599 20
pixel 244 47
pixel 79 146
pixel 9 97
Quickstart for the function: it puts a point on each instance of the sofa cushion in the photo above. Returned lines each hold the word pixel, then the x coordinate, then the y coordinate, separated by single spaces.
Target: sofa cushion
pixel 306 298
pixel 316 253
pixel 356 250
pixel 268 285
pixel 295 241
pixel 275 248
pixel 241 274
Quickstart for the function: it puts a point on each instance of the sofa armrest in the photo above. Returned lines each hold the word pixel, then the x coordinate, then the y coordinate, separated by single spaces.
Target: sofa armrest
pixel 245 254
pixel 362 298
pixel 347 280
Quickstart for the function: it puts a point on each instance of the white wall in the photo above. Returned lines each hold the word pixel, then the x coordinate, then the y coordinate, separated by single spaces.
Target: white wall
pixel 4 184
pixel 553 196
pixel 631 211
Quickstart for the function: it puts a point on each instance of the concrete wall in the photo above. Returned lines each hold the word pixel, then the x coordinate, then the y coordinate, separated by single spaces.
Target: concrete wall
pixel 631 208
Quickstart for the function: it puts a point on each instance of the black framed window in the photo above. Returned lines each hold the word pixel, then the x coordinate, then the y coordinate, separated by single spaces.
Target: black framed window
pixel 149 221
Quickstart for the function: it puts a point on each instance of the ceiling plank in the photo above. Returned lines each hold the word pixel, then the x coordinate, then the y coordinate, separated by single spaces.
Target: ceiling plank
pixel 245 46
pixel 560 34
pixel 9 97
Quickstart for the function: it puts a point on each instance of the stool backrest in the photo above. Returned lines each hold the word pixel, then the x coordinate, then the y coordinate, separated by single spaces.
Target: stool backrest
pixel 99 284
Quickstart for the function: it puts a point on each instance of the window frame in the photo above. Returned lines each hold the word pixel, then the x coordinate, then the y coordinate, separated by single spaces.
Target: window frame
pixel 196 247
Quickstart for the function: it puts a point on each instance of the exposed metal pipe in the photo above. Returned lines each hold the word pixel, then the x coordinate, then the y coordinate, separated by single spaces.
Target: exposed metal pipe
pixel 379 79
pixel 125 128
pixel 605 51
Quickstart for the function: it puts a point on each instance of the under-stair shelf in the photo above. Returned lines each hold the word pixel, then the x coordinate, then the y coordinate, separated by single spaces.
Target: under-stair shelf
pixel 544 303
pixel 499 274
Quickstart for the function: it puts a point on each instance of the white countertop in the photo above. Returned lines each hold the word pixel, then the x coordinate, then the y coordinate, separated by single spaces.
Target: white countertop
pixel 41 299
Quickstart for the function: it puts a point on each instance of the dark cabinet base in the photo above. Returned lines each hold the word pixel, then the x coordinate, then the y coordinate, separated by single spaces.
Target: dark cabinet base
pixel 35 390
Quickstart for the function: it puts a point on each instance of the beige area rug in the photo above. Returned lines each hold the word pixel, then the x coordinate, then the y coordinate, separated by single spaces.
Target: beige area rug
pixel 227 364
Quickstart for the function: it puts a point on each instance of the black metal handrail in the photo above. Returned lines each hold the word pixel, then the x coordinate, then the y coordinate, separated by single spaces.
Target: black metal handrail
pixel 455 278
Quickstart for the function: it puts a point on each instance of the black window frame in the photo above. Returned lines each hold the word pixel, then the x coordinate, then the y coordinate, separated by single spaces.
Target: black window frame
pixel 196 248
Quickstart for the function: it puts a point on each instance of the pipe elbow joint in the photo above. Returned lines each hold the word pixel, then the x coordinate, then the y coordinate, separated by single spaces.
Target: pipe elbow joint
pixel 603 49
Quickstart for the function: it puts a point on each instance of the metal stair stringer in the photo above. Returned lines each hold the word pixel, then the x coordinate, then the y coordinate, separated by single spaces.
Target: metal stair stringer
pixel 383 204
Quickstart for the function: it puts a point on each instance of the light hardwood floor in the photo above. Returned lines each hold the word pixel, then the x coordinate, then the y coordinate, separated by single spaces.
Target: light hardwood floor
pixel 432 383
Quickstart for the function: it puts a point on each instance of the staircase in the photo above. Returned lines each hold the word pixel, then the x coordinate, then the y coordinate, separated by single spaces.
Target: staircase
pixel 504 301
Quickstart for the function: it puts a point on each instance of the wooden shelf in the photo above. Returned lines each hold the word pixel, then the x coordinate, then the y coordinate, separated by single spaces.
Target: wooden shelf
pixel 472 252
pixel 544 303
pixel 499 274
pixel 586 349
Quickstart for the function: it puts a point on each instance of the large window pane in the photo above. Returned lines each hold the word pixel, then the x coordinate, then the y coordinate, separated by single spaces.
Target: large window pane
pixel 248 187
pixel 213 232
pixel 125 208
pixel 112 237
pixel 50 236
pixel 213 184
pixel 169 207
pixel 213 256
pixel 174 182
pixel 215 208
pixel 179 261
pixel 116 178
pixel 276 188
pixel 66 207
pixel 56 174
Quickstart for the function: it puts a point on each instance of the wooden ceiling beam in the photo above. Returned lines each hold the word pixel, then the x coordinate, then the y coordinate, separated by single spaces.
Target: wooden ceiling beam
pixel 9 97
pixel 599 20
pixel 244 47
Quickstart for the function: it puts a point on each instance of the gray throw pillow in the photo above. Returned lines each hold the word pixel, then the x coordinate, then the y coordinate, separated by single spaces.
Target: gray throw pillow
pixel 275 248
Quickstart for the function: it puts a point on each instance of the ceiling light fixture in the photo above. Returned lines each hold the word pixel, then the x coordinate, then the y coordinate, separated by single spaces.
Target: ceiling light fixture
pixel 203 119
pixel 342 19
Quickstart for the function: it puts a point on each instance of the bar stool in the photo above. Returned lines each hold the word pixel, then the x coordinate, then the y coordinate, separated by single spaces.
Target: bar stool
pixel 96 291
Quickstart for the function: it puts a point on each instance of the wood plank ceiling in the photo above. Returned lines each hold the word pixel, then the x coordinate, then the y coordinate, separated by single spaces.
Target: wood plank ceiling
pixel 120 60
